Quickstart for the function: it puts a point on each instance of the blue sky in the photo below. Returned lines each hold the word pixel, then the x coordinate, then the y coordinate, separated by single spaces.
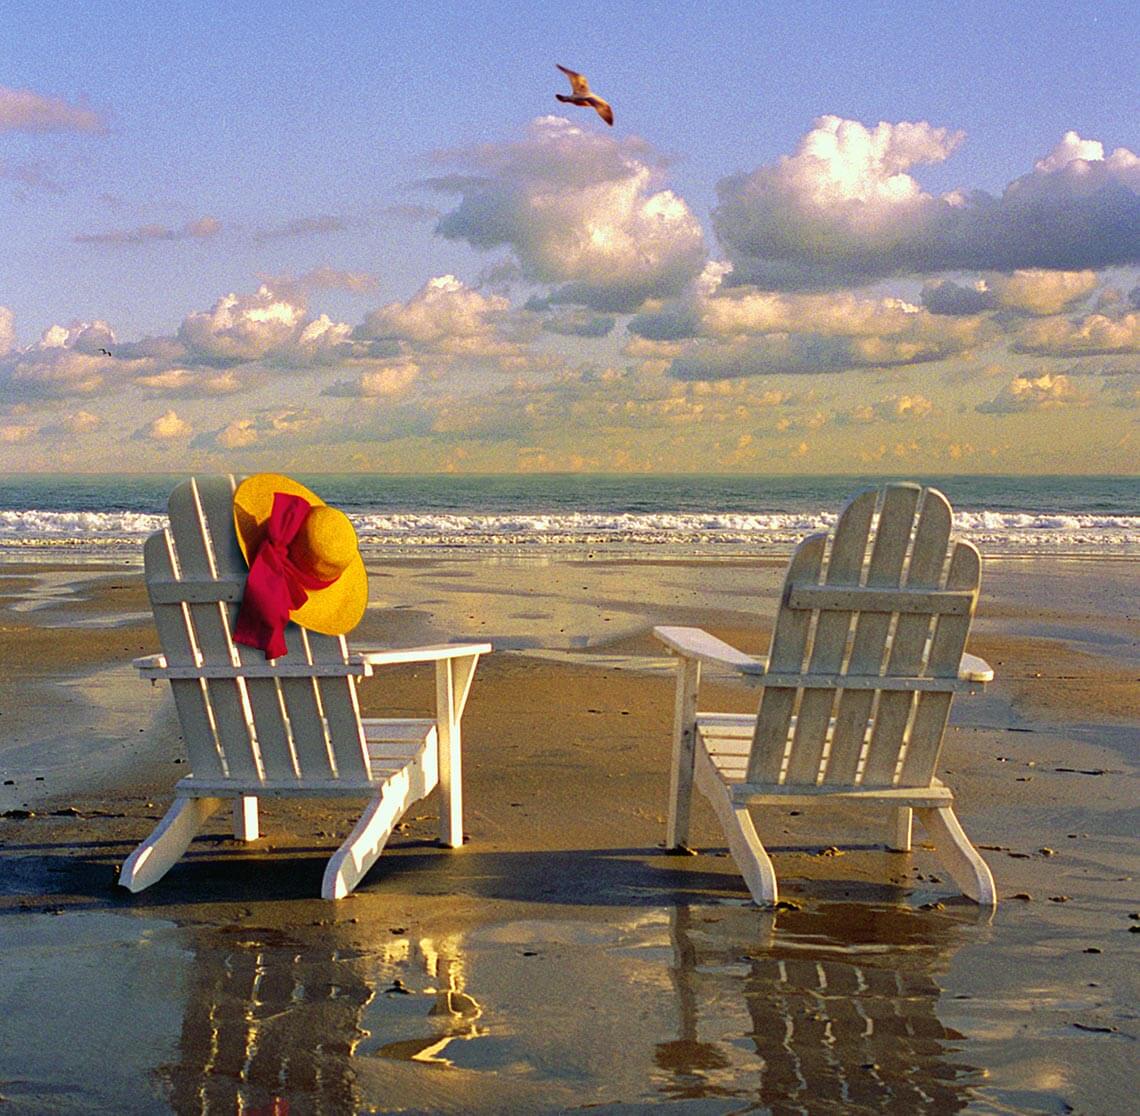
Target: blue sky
pixel 819 237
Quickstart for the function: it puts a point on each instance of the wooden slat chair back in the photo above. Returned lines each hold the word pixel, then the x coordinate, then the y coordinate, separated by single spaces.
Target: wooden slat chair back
pixel 237 727
pixel 867 651
pixel 254 727
pixel 869 635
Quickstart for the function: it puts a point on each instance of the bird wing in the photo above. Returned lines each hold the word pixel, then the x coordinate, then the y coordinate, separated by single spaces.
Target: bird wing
pixel 603 109
pixel 578 82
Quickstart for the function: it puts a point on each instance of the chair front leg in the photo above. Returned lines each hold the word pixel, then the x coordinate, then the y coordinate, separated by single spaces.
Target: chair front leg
pixel 453 679
pixel 684 749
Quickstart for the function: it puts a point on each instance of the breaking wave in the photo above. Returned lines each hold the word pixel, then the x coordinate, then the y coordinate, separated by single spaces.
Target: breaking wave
pixel 993 531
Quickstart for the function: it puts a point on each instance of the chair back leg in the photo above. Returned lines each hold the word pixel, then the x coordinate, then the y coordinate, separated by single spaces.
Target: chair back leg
pixel 899 835
pixel 245 818
pixel 170 839
pixel 959 857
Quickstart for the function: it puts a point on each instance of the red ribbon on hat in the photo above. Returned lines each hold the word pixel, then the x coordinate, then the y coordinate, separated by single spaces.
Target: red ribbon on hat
pixel 276 585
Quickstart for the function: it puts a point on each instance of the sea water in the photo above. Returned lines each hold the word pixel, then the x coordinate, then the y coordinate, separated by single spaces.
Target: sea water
pixel 109 516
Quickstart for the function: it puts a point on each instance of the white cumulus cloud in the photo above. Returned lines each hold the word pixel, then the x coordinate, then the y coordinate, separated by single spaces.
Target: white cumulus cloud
pixel 185 383
pixel 844 209
pixel 1027 291
pixel 284 426
pixel 243 327
pixel 271 326
pixel 384 382
pixel 67 361
pixel 442 313
pixel 168 427
pixel 1024 393
pixel 744 332
pixel 581 211
pixel 1093 335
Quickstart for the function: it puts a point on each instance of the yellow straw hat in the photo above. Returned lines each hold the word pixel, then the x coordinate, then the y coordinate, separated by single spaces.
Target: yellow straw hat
pixel 325 547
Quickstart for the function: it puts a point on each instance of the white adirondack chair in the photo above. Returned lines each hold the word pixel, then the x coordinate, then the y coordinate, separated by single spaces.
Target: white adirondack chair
pixel 866 655
pixel 289 726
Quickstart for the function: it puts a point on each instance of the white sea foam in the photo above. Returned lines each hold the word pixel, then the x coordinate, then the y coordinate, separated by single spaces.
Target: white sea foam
pixel 1007 531
pixel 79 525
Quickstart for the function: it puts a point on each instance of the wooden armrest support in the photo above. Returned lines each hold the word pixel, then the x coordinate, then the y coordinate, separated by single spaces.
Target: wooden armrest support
pixel 973 669
pixel 694 643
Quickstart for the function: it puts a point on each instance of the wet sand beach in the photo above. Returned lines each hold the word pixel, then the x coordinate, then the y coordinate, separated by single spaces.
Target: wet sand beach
pixel 561 960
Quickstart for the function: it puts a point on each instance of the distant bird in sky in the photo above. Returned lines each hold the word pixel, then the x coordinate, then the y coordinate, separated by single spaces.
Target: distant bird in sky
pixel 582 96
pixel 105 352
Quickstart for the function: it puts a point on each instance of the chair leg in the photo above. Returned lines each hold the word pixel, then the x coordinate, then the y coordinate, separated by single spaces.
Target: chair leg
pixel 899 838
pixel 684 749
pixel 743 841
pixel 245 818
pixel 350 863
pixel 964 863
pixel 452 682
pixel 170 839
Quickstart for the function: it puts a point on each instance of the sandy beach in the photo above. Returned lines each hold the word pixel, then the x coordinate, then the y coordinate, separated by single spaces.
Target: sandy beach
pixel 560 960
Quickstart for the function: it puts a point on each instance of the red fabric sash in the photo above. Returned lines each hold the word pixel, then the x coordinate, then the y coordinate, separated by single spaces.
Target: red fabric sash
pixel 276 585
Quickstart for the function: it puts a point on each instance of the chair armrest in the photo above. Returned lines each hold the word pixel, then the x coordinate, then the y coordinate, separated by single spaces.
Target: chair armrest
pixel 974 669
pixel 379 656
pixel 694 643
pixel 359 663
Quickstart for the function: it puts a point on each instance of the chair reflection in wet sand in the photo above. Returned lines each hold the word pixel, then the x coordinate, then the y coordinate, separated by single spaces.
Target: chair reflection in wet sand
pixel 841 1012
pixel 273 1025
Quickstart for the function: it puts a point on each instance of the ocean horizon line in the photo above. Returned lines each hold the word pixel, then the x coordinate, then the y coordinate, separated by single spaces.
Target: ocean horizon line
pixel 917 477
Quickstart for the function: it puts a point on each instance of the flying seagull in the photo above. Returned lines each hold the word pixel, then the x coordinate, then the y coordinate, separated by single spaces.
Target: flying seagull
pixel 583 96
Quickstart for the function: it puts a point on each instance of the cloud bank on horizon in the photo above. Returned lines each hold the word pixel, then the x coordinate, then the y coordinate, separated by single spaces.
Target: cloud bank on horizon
pixel 832 315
